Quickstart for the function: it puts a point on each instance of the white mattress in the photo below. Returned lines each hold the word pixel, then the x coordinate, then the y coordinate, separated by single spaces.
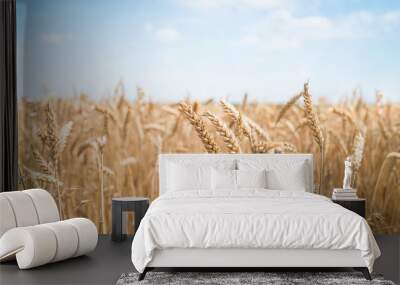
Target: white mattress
pixel 250 219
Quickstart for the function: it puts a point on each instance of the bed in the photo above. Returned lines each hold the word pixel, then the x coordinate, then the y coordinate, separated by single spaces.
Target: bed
pixel 247 210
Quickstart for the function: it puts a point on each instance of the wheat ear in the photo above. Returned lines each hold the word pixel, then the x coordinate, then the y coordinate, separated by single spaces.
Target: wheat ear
pixel 226 133
pixel 287 106
pixel 126 124
pixel 106 113
pixel 241 123
pixel 313 124
pixel 346 116
pixel 198 124
pixel 257 129
pixel 50 135
pixel 312 119
pixel 357 155
pixel 63 137
pixel 234 114
pixel 266 146
pixel 44 166
pixel 53 143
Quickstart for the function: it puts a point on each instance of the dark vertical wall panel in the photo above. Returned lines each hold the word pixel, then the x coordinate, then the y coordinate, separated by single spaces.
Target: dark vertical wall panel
pixel 8 97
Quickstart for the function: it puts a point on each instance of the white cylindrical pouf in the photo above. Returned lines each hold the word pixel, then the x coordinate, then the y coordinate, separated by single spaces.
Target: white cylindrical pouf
pixel 7 218
pixel 37 245
pixel 23 208
pixel 67 239
pixel 87 234
pixel 46 207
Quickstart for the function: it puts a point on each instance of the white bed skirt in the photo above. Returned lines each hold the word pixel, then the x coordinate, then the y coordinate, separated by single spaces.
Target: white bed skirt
pixel 192 257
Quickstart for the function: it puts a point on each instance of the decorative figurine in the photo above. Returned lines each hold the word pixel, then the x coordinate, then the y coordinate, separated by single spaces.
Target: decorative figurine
pixel 347 173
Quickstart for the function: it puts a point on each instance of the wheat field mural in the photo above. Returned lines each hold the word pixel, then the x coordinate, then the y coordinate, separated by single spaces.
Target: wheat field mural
pixel 85 152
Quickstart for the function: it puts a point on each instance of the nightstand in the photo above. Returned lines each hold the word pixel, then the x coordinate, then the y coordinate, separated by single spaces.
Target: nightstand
pixel 138 205
pixel 356 205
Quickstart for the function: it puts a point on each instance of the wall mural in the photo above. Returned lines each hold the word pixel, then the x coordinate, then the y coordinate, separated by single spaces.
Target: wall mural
pixel 86 148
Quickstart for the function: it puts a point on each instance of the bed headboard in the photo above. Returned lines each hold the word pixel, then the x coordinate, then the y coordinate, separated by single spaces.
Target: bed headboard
pixel 231 161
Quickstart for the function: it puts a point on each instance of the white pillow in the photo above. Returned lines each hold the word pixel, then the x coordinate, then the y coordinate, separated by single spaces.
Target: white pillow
pixel 292 179
pixel 251 178
pixel 223 179
pixel 181 177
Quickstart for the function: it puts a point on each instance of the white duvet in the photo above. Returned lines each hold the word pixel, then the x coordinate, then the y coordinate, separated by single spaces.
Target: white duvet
pixel 251 218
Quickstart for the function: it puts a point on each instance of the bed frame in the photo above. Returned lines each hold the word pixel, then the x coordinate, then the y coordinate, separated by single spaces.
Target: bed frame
pixel 244 259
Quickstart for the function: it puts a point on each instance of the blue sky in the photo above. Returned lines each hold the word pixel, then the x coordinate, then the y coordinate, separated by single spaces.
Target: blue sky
pixel 210 48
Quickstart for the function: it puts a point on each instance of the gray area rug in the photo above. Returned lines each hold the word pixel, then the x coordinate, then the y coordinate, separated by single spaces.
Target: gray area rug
pixel 225 278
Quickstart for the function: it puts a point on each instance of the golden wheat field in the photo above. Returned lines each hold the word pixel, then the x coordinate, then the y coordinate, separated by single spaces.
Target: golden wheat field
pixel 85 152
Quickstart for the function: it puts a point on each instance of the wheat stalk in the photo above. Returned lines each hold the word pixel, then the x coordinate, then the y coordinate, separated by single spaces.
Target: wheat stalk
pixel 234 115
pixel 257 129
pixel 387 167
pixel 63 137
pixel 267 146
pixel 106 113
pixel 51 126
pixel 312 119
pixel 44 166
pixel 226 134
pixel 125 124
pixel 241 123
pixel 346 116
pixel 357 154
pixel 53 144
pixel 339 140
pixel 382 128
pixel 198 124
pixel 292 101
pixel 101 143
pixel 154 127
pixel 313 124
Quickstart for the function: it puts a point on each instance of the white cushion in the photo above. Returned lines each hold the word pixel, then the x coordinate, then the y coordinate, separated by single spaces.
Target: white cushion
pixel 7 220
pixel 67 240
pixel 223 179
pixel 46 207
pixel 292 179
pixel 251 179
pixel 87 233
pixel 282 174
pixel 181 178
pixel 23 208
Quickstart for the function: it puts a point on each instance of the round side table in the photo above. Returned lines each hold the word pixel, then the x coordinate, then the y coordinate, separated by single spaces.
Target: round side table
pixel 138 205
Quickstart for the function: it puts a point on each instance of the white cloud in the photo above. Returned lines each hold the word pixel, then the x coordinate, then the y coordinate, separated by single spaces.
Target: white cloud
pixel 392 17
pixel 281 29
pixel 55 38
pixel 168 35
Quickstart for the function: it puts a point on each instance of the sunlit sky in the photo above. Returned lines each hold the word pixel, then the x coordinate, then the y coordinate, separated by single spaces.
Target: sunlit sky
pixel 209 48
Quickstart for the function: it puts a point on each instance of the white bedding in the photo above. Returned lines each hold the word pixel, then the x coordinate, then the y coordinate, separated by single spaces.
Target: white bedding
pixel 251 218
